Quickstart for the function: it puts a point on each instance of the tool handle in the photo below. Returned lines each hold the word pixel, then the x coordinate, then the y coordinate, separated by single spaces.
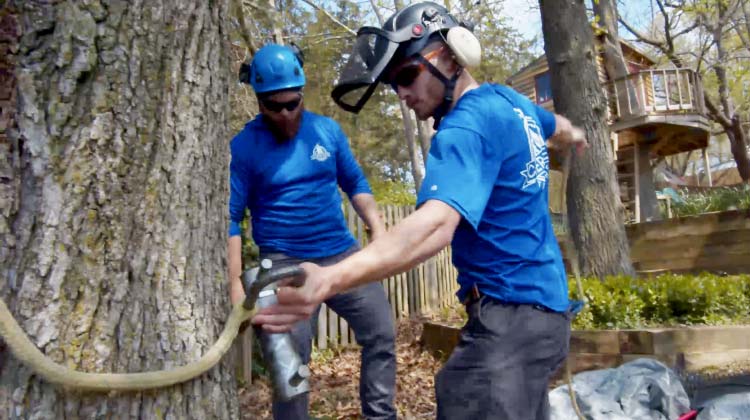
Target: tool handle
pixel 266 277
pixel 257 279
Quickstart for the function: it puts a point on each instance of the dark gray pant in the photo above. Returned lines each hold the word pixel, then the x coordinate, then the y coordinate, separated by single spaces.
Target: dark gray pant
pixel 367 311
pixel 503 363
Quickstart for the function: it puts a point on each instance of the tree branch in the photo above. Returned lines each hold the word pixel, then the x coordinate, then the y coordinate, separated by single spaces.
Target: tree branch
pixel 716 113
pixel 330 38
pixel 377 12
pixel 667 25
pixel 689 28
pixel 245 32
pixel 641 36
pixel 330 16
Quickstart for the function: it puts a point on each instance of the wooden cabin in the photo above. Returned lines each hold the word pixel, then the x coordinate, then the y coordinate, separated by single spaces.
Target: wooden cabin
pixel 652 112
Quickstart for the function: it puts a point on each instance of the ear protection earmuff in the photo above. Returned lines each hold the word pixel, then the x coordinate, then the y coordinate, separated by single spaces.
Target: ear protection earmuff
pixel 298 53
pixel 465 46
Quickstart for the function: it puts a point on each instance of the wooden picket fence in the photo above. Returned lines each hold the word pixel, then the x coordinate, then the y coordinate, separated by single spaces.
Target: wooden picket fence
pixel 428 287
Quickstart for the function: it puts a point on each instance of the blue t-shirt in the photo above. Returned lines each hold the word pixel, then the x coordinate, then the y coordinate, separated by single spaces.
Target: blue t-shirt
pixel 291 187
pixel 489 162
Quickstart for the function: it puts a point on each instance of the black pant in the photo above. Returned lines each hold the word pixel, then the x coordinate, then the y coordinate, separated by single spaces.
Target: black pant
pixel 367 311
pixel 503 363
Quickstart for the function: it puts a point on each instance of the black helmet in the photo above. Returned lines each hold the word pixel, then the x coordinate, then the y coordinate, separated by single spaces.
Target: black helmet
pixel 433 17
pixel 404 34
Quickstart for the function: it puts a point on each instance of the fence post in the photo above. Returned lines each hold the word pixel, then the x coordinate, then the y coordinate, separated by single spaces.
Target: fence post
pixel 323 327
pixel 243 350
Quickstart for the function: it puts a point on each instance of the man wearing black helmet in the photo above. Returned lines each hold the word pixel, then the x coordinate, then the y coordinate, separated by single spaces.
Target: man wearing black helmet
pixel 485 193
pixel 287 165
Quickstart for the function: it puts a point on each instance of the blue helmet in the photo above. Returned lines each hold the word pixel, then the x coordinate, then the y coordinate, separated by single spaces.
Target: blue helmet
pixel 274 67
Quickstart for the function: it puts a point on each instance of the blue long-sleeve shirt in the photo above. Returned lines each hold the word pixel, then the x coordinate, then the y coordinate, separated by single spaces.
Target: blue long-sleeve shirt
pixel 291 187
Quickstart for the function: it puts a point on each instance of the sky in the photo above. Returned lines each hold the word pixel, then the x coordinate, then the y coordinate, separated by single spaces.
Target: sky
pixel 524 16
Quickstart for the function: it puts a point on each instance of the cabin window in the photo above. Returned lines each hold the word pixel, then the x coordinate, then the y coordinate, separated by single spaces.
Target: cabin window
pixel 543 88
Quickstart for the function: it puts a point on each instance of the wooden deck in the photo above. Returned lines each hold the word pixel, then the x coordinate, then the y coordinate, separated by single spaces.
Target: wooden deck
pixel 663 108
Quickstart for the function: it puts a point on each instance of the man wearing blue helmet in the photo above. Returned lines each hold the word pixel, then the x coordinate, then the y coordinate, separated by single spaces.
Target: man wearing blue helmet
pixel 287 165
pixel 485 193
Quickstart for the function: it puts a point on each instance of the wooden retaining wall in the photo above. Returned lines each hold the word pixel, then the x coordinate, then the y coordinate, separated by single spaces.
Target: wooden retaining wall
pixel 690 348
pixel 714 242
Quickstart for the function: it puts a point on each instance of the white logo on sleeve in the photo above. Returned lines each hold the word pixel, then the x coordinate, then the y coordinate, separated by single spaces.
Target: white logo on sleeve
pixel 433 188
pixel 319 153
pixel 537 169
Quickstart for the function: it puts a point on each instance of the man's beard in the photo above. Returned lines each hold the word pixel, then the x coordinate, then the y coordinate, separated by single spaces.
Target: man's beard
pixel 286 132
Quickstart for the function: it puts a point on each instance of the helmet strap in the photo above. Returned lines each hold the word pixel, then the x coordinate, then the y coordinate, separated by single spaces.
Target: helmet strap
pixel 448 84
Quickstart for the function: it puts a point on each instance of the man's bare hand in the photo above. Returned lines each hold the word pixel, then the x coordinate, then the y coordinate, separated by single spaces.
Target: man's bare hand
pixel 567 135
pixel 296 303
pixel 236 291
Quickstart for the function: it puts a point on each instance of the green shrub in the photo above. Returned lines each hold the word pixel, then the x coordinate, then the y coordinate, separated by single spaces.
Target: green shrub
pixel 670 299
pixel 716 199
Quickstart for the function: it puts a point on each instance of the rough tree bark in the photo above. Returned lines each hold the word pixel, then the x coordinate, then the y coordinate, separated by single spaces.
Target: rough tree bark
pixel 113 187
pixel 596 223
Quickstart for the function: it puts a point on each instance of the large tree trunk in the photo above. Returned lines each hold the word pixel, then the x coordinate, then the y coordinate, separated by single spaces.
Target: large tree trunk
pixel 596 222
pixel 114 173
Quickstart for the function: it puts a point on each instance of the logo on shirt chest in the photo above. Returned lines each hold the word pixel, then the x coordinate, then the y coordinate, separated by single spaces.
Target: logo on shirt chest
pixel 536 172
pixel 319 153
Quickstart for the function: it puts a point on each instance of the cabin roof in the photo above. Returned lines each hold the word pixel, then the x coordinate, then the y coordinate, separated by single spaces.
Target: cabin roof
pixel 520 74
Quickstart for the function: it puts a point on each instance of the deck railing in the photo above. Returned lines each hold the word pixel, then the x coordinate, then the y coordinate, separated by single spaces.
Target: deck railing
pixel 654 92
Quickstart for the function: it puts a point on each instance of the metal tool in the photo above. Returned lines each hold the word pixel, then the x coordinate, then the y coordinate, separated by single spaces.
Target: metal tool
pixel 289 374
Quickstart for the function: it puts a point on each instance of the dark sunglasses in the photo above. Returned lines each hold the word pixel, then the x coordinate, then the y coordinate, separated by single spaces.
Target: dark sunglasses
pixel 274 106
pixel 407 74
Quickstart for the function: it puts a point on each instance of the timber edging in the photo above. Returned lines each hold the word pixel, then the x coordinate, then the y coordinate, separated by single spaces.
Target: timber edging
pixel 691 348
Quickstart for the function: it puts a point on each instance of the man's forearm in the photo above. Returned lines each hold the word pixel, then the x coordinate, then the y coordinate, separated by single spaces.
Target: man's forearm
pixel 234 261
pixel 367 209
pixel 421 235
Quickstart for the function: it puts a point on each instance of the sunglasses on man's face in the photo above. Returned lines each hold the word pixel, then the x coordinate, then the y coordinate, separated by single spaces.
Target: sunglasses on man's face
pixel 407 74
pixel 275 106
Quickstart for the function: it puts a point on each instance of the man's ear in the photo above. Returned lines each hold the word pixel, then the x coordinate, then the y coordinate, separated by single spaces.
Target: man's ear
pixel 448 60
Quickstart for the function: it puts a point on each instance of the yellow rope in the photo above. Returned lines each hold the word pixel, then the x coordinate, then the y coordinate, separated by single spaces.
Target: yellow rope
pixel 25 351
pixel 573 258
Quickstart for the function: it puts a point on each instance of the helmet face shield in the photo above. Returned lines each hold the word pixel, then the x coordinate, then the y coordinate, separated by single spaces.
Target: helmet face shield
pixel 373 51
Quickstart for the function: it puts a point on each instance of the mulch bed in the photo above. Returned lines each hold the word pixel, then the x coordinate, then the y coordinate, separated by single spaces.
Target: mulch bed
pixel 335 382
